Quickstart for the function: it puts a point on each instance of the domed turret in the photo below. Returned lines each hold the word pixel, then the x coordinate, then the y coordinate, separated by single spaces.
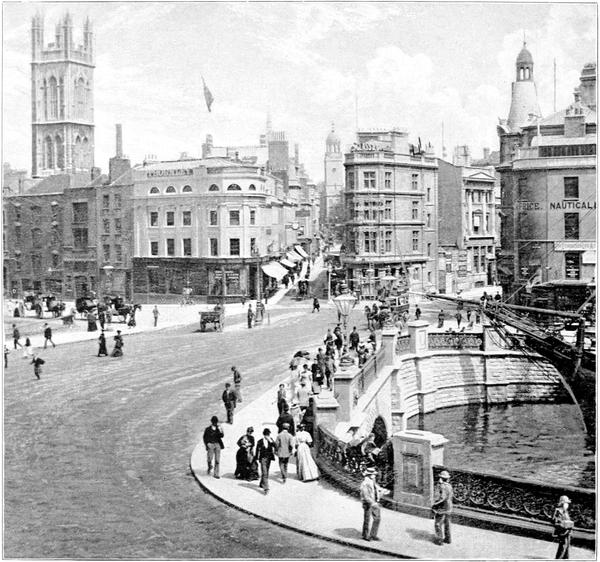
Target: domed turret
pixel 524 64
pixel 332 143
pixel 524 56
pixel 524 95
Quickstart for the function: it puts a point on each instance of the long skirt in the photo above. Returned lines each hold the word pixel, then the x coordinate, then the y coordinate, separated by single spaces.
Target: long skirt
pixel 306 466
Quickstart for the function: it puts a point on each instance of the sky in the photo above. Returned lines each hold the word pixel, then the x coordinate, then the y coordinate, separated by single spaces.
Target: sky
pixel 310 64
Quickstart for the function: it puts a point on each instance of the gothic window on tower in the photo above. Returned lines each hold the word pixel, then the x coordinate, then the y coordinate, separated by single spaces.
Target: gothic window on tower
pixel 45 98
pixel 61 98
pixel 60 153
pixel 80 97
pixel 48 153
pixel 53 87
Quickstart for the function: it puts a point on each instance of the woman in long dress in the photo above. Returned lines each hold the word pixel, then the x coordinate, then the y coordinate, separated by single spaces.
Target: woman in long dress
pixel 245 468
pixel 306 467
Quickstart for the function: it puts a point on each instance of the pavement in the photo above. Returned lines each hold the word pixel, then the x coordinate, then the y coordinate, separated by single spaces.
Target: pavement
pixel 319 509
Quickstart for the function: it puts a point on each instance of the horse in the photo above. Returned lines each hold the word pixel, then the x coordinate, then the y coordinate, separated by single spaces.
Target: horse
pixel 128 310
pixel 84 305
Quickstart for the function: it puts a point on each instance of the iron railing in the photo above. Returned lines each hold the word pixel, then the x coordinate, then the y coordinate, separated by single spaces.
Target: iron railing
pixel 455 341
pixel 402 345
pixel 515 497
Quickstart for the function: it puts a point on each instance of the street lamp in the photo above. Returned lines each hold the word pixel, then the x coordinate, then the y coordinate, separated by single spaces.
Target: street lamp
pixel 344 304
pixel 329 269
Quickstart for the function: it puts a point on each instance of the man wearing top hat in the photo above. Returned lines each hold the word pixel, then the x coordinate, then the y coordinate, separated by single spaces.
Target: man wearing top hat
pixel 562 527
pixel 370 494
pixel 442 508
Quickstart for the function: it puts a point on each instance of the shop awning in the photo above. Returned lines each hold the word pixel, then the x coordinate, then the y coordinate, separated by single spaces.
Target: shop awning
pixel 274 269
pixel 301 251
pixel 588 257
pixel 293 256
pixel 287 263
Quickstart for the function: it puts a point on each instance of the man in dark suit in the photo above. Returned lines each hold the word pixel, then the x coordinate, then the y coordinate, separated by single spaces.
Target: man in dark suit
pixel 285 447
pixel 281 398
pixel 286 417
pixel 230 400
pixel 213 440
pixel 265 453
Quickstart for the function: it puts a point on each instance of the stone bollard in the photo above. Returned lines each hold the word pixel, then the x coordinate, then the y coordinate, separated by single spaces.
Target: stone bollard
pixel 415 454
pixel 389 337
pixel 417 330
pixel 342 386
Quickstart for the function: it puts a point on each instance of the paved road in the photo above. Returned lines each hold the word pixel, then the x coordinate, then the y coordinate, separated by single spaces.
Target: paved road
pixel 97 452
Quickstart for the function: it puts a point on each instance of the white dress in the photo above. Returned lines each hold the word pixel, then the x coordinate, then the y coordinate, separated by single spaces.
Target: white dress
pixel 306 467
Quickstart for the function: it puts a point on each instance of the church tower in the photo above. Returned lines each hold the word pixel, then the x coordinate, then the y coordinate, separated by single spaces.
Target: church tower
pixel 524 94
pixel 334 176
pixel 62 106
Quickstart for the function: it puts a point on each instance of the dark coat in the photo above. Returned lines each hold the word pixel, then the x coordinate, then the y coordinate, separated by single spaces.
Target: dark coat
pixel 265 453
pixel 229 398
pixel 213 435
pixel 286 418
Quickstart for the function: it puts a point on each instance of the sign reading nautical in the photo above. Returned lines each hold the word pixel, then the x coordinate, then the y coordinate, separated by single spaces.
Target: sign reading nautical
pixel 169 173
pixel 562 205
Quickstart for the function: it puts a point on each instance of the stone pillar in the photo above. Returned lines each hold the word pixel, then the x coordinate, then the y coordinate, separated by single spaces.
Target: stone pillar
pixel 389 337
pixel 326 411
pixel 343 390
pixel 415 454
pixel 417 330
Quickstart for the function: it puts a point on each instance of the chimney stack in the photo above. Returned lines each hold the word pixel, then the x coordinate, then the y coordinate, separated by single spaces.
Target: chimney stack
pixel 119 153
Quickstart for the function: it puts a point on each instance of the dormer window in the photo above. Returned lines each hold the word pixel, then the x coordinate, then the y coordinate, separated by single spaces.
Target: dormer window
pixel 170 189
pixel 213 187
pixel 187 189
pixel 234 187
pixel 154 190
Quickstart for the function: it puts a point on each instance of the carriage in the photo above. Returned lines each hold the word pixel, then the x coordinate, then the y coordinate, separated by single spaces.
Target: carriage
pixel 116 306
pixel 216 317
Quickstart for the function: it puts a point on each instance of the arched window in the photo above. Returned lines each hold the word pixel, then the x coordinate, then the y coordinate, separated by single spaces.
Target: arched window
pixel 234 187
pixel 77 152
pixel 252 187
pixel 154 190
pixel 187 189
pixel 213 187
pixel 60 153
pixel 53 98
pixel 170 189
pixel 45 93
pixel 80 97
pixel 61 98
pixel 49 152
pixel 85 151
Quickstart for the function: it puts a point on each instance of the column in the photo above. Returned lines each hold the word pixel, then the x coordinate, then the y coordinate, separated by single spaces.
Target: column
pixel 417 330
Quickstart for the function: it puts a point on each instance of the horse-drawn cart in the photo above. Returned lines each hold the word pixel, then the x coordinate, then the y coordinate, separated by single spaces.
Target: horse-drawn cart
pixel 215 317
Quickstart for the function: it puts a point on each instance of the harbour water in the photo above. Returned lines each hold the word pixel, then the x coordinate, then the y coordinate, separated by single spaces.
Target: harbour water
pixel 539 442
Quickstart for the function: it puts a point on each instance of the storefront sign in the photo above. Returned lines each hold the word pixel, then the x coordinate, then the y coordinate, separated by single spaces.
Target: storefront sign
pixel 232 276
pixel 169 173
pixel 574 245
pixel 572 205
pixel 529 206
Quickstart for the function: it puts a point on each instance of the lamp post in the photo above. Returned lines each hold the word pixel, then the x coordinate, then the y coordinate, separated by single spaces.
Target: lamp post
pixel 344 304
pixel 329 269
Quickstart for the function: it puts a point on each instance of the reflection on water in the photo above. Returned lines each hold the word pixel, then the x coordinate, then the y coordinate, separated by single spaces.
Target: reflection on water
pixel 542 442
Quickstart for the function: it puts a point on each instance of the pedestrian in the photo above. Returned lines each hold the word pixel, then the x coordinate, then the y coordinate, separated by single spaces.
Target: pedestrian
pixel 27 350
pixel 417 312
pixel 328 340
pixel 441 318
pixel 281 398
pixel 91 320
pixel 229 400
pixel 286 417
pixel 16 336
pixel 370 494
pixel 265 454
pixel 37 363
pixel 308 419
pixel 316 305
pixel 302 396
pixel 284 445
pixel 563 526
pixel 306 467
pixel 48 335
pixel 354 339
pixel 339 343
pixel 6 352
pixel 469 313
pixel 156 314
pixel 102 319
pixel 118 349
pixel 478 316
pixel 458 317
pixel 237 383
pixel 330 370
pixel 102 351
pixel 213 441
pixel 442 509
pixel 245 466
pixel 250 315
pixel 317 377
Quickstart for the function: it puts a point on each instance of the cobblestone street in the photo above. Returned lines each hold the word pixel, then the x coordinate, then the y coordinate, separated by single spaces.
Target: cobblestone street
pixel 97 452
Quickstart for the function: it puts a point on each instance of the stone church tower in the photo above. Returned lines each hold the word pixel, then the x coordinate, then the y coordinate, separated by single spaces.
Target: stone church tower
pixel 62 106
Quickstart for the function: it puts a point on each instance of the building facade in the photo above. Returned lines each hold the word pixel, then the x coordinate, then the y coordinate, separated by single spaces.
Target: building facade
pixel 548 185
pixel 332 199
pixel 62 106
pixel 467 234
pixel 391 209
pixel 208 226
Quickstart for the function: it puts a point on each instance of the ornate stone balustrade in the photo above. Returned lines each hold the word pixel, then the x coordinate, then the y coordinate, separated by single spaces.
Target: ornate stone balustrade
pixel 455 341
pixel 514 497
pixel 403 345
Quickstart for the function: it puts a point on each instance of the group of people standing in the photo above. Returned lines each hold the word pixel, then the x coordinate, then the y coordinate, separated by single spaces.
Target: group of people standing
pixel 118 347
